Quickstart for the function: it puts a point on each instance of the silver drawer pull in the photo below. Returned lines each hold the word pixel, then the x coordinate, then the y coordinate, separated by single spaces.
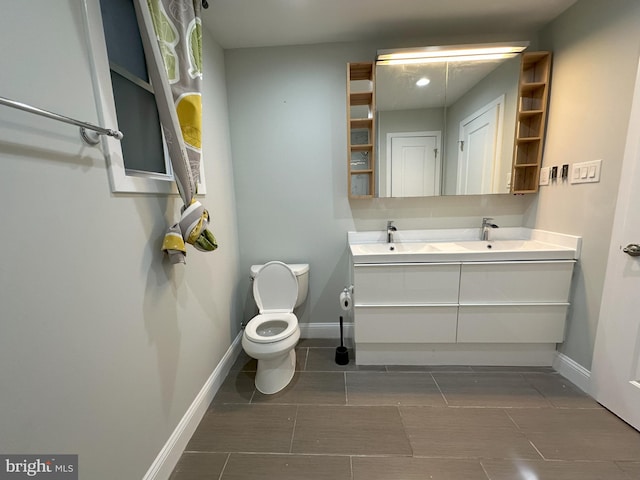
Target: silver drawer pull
pixel 632 249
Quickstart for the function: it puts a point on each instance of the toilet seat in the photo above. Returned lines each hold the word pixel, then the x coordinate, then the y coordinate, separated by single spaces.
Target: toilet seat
pixel 275 288
pixel 259 322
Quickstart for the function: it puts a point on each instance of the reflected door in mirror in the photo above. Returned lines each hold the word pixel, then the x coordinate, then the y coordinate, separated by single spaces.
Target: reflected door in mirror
pixel 414 164
pixel 479 165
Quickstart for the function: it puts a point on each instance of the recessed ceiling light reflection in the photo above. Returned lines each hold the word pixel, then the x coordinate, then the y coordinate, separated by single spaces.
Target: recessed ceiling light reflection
pixel 423 82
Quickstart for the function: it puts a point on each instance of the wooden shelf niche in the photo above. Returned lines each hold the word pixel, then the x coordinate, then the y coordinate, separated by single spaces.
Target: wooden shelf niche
pixel 530 122
pixel 361 126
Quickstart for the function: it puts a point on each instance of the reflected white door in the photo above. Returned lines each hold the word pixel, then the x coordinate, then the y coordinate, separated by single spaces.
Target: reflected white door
pixel 415 165
pixel 478 149
pixel 615 373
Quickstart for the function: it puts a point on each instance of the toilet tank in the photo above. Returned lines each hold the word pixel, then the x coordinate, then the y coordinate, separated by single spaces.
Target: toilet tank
pixel 301 271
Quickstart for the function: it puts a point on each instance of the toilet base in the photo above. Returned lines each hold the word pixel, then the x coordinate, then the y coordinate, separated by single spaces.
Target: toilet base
pixel 273 374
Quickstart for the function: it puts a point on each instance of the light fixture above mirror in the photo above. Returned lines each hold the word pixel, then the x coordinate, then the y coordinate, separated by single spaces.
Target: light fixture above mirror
pixel 450 53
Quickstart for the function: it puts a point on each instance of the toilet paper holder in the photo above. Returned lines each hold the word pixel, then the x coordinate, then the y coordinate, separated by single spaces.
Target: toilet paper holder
pixel 345 298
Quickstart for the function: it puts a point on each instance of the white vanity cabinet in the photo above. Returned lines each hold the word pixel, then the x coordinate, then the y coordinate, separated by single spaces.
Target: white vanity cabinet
pixel 413 312
pixel 514 302
pixel 406 303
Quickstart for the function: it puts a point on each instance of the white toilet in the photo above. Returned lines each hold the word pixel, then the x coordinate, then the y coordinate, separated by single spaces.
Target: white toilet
pixel 271 336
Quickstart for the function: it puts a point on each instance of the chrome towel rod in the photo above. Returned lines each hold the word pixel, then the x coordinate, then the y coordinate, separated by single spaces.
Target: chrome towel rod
pixel 84 126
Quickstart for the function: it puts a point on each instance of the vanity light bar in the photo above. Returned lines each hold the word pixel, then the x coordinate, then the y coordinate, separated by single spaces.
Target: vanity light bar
pixel 450 53
pixel 461 58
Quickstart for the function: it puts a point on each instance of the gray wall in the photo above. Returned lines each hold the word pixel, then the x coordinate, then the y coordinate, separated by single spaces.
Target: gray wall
pixel 103 344
pixel 595 46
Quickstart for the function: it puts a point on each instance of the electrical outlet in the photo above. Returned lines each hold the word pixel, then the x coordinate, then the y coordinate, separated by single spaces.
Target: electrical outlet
pixel 544 176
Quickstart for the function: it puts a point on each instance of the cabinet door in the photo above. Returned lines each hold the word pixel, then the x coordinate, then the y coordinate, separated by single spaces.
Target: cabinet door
pixel 511 323
pixel 402 324
pixel 516 282
pixel 406 284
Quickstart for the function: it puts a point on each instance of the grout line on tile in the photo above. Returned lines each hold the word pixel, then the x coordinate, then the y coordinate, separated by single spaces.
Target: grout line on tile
pixel 351 467
pixel 484 470
pixel 536 449
pixel 346 393
pixel 518 429
pixel 502 407
pixel 312 454
pixel 404 428
pixel 224 466
pixel 293 430
pixel 446 402
pixel 515 424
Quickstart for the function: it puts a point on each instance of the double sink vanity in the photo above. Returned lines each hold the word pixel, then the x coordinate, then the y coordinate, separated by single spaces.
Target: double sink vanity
pixel 470 123
pixel 445 297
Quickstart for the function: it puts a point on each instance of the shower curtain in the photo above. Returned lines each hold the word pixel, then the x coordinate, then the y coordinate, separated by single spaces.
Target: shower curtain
pixel 172 38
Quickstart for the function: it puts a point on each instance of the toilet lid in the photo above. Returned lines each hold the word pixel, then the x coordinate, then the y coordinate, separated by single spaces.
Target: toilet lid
pixel 275 288
pixel 259 330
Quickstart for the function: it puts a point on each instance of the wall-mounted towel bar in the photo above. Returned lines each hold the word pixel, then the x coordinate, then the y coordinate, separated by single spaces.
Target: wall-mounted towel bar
pixel 91 139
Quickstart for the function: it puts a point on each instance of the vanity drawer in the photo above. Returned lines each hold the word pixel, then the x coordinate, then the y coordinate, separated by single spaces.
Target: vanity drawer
pixel 511 323
pixel 406 324
pixel 403 284
pixel 513 282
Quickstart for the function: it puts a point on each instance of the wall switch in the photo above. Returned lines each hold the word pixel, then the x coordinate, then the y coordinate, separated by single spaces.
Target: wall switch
pixel 544 176
pixel 575 175
pixel 554 172
pixel 565 171
pixel 586 172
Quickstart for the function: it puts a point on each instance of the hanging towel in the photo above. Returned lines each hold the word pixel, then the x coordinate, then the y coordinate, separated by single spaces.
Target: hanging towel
pixel 192 229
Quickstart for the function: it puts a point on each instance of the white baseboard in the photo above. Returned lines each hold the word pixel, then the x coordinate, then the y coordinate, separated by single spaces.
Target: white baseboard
pixel 168 457
pixel 326 330
pixel 572 371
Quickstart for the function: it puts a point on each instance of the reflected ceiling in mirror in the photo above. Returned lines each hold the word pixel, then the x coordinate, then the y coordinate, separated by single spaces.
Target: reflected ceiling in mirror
pixel 452 136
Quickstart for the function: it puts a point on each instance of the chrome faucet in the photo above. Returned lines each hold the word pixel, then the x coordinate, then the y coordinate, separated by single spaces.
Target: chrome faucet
pixel 390 229
pixel 486 225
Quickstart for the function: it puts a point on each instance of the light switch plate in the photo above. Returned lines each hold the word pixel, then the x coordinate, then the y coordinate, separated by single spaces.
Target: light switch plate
pixel 586 172
pixel 544 176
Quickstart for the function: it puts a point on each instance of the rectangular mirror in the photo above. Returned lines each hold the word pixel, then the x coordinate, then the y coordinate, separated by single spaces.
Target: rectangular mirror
pixel 446 127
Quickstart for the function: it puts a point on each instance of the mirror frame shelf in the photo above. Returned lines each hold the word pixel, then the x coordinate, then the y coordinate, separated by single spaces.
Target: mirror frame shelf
pixel 361 125
pixel 532 92
pixel 533 99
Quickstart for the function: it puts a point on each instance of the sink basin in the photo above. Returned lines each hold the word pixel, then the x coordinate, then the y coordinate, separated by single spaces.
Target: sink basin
pixel 502 245
pixel 392 249
pixel 471 250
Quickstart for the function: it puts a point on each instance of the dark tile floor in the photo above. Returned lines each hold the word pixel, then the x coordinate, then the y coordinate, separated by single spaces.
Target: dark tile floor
pixel 393 422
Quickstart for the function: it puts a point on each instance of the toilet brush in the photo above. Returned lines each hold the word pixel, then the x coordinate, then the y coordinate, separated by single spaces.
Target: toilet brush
pixel 342 354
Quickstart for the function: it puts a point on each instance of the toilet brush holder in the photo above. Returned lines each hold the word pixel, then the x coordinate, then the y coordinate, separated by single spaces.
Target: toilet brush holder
pixel 342 354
